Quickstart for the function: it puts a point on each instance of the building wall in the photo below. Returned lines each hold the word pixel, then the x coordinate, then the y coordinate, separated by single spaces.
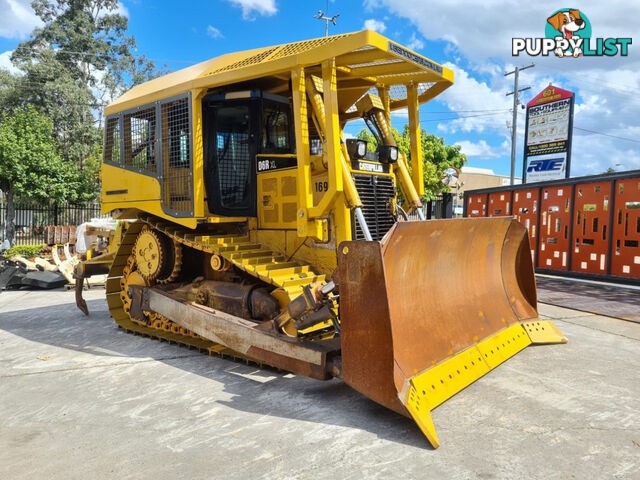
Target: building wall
pixel 472 178
pixel 478 178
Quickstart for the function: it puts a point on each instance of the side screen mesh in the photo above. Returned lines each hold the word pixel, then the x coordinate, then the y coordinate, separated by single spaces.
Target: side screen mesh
pixel 155 140
pixel 112 145
pixel 176 155
pixel 140 139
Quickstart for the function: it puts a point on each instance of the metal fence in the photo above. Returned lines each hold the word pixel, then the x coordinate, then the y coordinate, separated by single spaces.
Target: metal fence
pixel 31 219
pixel 585 227
pixel 441 207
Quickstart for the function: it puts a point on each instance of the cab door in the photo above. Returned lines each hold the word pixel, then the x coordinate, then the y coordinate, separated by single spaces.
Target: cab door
pixel 231 148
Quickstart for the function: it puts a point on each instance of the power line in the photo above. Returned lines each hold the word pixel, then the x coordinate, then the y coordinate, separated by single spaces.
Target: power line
pixel 490 112
pixel 617 86
pixel 602 133
pixel 463 116
pixel 105 56
pixel 607 135
pixel 470 111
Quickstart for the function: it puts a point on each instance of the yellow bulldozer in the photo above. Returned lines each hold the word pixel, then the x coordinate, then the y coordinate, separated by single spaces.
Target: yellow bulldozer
pixel 249 227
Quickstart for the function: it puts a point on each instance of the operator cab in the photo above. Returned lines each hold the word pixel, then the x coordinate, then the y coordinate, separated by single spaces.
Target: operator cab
pixel 239 126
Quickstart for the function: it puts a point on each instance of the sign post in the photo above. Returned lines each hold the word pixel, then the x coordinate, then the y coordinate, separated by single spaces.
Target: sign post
pixel 548 133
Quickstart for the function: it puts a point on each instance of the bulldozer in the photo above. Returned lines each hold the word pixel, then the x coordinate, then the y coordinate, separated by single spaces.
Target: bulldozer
pixel 251 226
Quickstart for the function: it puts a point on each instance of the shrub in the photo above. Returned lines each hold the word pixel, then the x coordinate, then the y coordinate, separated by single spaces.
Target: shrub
pixel 26 251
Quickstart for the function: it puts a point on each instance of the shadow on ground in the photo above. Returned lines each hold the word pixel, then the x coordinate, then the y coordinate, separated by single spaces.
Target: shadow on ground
pixel 255 390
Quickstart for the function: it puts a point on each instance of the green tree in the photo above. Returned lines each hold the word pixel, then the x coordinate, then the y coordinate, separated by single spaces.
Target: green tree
pixel 30 164
pixel 72 66
pixel 88 38
pixel 436 157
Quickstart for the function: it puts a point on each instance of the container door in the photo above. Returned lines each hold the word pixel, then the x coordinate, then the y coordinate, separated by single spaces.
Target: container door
pixel 525 210
pixel 591 228
pixel 477 205
pixel 500 204
pixel 555 208
pixel 625 261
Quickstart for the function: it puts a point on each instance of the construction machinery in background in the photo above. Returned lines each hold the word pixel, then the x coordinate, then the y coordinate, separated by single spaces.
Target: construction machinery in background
pixel 259 233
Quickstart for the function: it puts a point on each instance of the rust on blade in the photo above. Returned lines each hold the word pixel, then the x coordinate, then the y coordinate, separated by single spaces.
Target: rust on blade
pixel 428 291
pixel 452 283
pixel 367 346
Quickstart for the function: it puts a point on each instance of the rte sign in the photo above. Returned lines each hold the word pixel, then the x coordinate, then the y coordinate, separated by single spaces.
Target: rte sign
pixel 548 132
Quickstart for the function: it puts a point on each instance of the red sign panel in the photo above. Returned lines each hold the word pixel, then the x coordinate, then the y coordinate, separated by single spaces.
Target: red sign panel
pixel 591 227
pixel 500 204
pixel 549 94
pixel 625 260
pixel 525 209
pixel 555 220
pixel 477 205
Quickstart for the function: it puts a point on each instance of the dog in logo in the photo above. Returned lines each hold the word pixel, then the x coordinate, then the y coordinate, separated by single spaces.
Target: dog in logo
pixel 567 23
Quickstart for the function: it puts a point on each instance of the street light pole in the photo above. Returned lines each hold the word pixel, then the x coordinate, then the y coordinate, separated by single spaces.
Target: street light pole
pixel 514 125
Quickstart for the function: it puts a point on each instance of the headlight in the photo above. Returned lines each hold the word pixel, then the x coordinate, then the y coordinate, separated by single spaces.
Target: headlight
pixel 393 154
pixel 357 148
pixel 388 154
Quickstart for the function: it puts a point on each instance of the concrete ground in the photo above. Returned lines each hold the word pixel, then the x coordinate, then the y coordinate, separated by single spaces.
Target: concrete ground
pixel 80 398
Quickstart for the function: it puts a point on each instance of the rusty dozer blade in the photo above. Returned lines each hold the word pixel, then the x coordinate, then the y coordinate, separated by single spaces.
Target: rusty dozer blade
pixel 433 307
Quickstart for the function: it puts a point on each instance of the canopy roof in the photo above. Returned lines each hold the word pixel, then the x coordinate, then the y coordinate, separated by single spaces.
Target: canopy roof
pixel 364 60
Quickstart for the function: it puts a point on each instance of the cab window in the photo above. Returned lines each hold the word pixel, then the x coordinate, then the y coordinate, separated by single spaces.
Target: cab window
pixel 276 128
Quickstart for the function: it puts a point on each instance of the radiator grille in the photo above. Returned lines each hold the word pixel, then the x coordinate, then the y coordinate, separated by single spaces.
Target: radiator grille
pixel 375 192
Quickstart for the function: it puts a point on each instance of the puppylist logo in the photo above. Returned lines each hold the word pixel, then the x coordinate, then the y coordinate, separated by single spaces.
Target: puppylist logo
pixel 568 34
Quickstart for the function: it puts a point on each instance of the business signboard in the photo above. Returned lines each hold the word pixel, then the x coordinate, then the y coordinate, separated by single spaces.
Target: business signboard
pixel 547 147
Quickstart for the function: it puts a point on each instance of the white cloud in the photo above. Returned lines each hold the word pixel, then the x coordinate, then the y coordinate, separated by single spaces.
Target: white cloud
pixel 5 62
pixel 593 154
pixel 480 39
pixel 370 5
pixel 122 10
pixel 17 19
pixel 262 7
pixel 213 32
pixel 415 43
pixel 401 113
pixel 485 29
pixel 376 25
pixel 483 150
pixel 482 106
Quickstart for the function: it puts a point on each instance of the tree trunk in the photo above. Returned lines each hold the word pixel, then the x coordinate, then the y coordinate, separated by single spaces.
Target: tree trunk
pixel 11 216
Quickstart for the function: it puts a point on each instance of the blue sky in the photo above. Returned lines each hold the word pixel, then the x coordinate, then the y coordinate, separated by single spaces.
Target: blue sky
pixel 473 38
